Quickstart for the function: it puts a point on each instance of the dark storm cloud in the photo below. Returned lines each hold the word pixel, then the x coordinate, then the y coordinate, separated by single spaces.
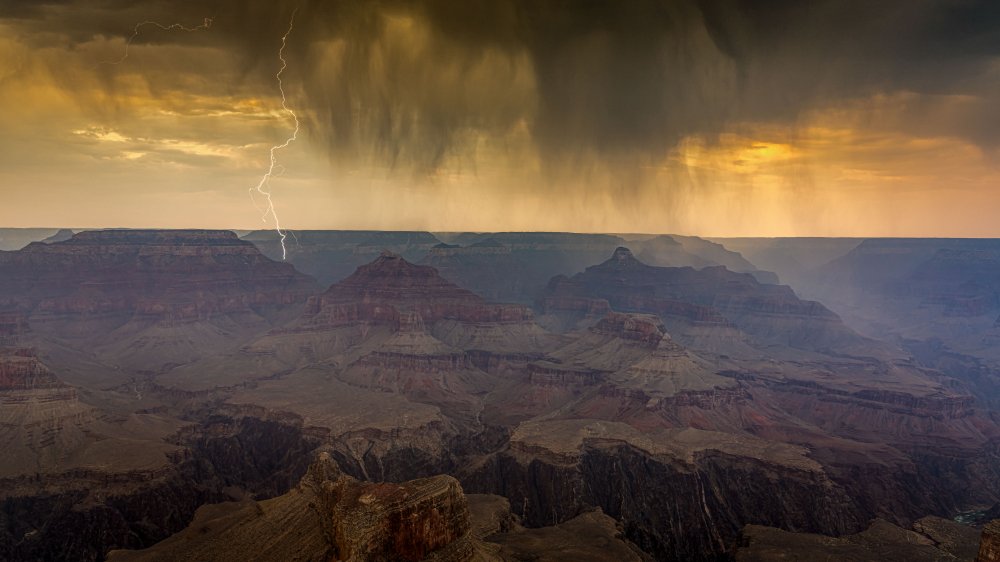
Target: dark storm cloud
pixel 410 82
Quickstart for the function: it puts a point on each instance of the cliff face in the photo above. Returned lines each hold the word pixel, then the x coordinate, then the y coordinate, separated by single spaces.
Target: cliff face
pixel 148 300
pixel 376 292
pixel 401 327
pixel 679 494
pixel 21 370
pixel 330 516
pixel 172 275
pixel 43 426
pixel 554 472
pixel 710 296
pixel 79 514
pixel 989 546
pixel 610 401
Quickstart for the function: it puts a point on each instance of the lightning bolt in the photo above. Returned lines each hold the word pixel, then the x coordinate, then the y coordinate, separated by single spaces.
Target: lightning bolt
pixel 138 28
pixel 264 186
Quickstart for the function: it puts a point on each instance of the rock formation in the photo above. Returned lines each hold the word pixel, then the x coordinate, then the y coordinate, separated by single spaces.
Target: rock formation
pixel 172 275
pixel 146 300
pixel 376 292
pixel 114 492
pixel 331 255
pixel 515 266
pixel 554 470
pixel 331 516
pixel 937 296
pixel 46 429
pixel 690 301
pixel 623 391
pixel 588 537
pixel 381 295
pixel 989 547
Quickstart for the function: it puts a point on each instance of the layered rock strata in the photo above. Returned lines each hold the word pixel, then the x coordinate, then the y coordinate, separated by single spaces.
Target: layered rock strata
pixel 145 300
pixel 691 300
pixel 330 516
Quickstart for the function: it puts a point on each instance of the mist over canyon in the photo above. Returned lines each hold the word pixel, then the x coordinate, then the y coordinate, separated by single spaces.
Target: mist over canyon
pixel 186 395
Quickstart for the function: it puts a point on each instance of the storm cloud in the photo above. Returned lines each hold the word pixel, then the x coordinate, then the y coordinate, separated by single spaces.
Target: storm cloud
pixel 411 81
pixel 609 99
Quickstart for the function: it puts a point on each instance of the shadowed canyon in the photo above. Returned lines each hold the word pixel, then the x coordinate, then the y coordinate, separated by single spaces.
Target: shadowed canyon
pixel 183 395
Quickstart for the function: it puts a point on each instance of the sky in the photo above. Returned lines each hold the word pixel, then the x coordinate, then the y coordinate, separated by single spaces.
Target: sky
pixel 705 117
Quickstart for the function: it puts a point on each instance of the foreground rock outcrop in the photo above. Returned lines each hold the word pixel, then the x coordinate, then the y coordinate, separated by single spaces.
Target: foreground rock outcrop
pixel 331 516
pixel 989 547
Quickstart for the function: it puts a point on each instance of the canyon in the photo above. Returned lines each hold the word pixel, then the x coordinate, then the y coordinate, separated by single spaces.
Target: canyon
pixel 171 395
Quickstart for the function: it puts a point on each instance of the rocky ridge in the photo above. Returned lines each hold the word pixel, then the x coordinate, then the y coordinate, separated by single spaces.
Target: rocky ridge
pixel 688 299
pixel 515 266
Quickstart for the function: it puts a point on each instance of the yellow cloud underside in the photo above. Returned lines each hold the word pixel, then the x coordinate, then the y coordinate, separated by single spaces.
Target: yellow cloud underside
pixel 122 148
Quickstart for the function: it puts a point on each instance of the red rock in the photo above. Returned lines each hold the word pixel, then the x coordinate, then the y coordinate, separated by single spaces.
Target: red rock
pixel 20 369
pixel 378 291
pixel 648 330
